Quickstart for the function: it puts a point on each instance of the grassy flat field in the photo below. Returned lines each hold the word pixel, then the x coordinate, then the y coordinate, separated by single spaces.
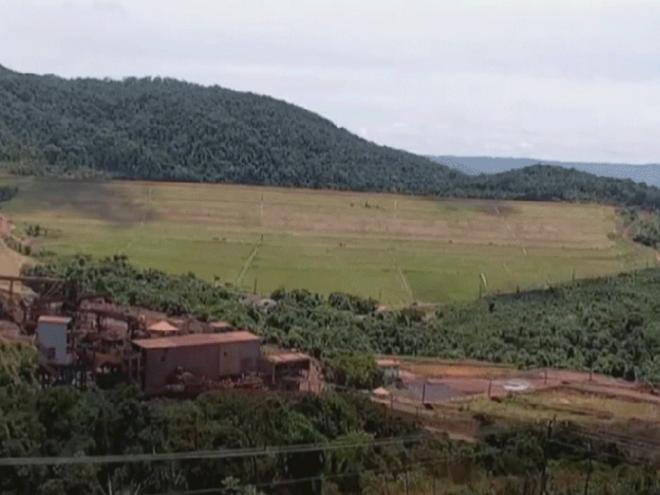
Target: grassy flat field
pixel 396 248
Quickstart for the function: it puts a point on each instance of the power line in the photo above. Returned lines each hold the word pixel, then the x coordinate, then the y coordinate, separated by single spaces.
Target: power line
pixel 292 481
pixel 205 454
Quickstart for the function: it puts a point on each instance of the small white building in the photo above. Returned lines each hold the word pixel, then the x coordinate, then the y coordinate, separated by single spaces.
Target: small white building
pixel 54 340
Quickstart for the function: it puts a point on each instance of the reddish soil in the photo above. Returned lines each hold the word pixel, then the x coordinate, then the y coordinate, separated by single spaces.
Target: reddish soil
pixel 429 390
pixel 447 380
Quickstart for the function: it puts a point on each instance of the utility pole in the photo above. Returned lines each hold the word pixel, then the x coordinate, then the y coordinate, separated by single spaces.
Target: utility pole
pixel 544 471
pixel 589 470
pixel 406 479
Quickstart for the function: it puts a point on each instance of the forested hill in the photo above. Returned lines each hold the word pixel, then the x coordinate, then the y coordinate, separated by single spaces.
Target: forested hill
pixel 164 129
pixel 475 165
pixel 156 128
pixel 555 183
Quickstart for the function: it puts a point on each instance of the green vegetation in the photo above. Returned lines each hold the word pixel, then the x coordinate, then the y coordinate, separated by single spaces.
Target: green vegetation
pixel 646 230
pixel 354 370
pixel 35 230
pixel 163 129
pixel 608 325
pixel 7 193
pixel 399 250
pixel 63 421
pixel 17 363
pixel 66 422
pixel 554 183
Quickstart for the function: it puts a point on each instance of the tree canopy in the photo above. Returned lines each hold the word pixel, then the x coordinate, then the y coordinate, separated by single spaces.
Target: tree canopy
pixel 165 129
pixel 609 325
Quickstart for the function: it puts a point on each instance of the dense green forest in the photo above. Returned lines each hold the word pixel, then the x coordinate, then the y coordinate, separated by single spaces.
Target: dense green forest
pixel 63 421
pixel 610 325
pixel 158 128
pixel 555 183
pixel 164 129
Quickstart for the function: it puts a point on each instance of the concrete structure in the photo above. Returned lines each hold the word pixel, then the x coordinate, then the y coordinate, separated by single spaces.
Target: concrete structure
pixel 54 340
pixel 285 369
pixel 206 355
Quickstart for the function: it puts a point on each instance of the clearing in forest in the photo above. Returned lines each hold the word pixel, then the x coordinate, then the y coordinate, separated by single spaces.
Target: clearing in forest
pixel 396 248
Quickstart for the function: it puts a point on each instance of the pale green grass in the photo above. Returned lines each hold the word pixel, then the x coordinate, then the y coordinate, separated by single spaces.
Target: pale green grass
pixel 564 405
pixel 395 248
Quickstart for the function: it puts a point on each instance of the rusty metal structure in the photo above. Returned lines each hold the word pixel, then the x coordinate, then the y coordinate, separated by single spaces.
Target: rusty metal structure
pixel 27 298
pixel 208 356
pixel 104 343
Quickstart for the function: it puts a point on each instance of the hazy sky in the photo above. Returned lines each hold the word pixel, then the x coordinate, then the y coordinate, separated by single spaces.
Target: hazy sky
pixel 567 80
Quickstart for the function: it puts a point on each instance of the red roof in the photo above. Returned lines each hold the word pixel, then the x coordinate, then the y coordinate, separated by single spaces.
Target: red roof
pixel 162 326
pixel 61 320
pixel 195 339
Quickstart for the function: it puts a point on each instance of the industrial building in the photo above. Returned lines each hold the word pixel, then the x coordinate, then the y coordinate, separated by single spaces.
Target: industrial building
pixel 53 335
pixel 210 356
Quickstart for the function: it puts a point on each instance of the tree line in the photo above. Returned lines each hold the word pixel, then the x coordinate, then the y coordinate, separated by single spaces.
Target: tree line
pixel 610 325
pixel 643 226
pixel 63 421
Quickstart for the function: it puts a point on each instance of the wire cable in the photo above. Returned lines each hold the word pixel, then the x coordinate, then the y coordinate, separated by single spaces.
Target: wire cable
pixel 429 461
pixel 205 454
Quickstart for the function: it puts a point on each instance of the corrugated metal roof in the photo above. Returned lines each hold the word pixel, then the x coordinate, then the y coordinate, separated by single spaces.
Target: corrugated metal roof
pixel 64 320
pixel 162 326
pixel 195 339
pixel 286 357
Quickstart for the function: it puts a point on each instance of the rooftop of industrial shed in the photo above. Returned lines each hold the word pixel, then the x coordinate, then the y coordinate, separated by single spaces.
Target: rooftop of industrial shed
pixel 197 339
pixel 286 357
pixel 54 319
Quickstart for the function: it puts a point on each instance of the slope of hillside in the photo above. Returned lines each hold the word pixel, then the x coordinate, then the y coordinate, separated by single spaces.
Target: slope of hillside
pixel 554 183
pixel 474 165
pixel 398 249
pixel 172 130
pixel 164 129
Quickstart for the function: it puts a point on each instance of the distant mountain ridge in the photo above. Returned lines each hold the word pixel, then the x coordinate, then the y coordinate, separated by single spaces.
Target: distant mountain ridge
pixel 474 165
